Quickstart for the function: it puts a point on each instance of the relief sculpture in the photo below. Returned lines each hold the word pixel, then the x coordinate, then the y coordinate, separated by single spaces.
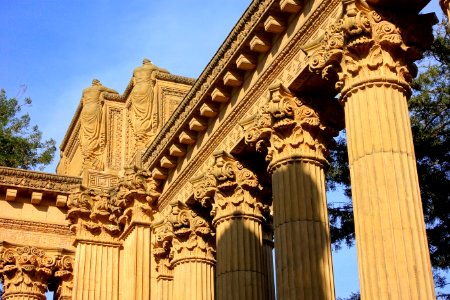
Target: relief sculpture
pixel 92 130
pixel 143 112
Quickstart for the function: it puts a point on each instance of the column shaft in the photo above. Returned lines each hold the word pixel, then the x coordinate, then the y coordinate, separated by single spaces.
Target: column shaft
pixel 302 241
pixel 96 271
pixel 135 270
pixel 240 259
pixel 164 288
pixel 267 258
pixel 390 232
pixel 193 279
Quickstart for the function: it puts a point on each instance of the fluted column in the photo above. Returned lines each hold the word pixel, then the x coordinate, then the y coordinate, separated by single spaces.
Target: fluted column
pixel 192 255
pixel 163 235
pixel 94 220
pixel 135 196
pixel 294 136
pixel 267 256
pixel 372 59
pixel 164 281
pixel 25 272
pixel 237 210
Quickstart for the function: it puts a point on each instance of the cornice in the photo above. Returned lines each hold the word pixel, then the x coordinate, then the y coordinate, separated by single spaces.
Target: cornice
pixel 162 76
pixel 294 46
pixel 72 125
pixel 34 180
pixel 250 19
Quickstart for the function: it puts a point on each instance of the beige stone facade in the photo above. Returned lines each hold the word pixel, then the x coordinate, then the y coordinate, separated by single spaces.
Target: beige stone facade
pixel 180 188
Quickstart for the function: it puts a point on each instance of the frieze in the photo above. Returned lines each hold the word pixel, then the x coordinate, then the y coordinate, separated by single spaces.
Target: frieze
pixel 99 180
pixel 253 99
pixel 37 180
pixel 213 70
pixel 35 226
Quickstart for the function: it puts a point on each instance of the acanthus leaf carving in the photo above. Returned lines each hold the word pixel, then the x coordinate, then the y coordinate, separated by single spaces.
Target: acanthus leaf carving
pixel 365 46
pixel 183 235
pixel 93 214
pixel 289 128
pixel 136 195
pixel 229 189
pixel 26 270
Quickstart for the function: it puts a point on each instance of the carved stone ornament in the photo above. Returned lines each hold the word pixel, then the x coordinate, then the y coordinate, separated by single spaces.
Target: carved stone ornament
pixel 365 47
pixel 289 129
pixel 64 274
pixel 92 214
pixel 162 246
pixel 135 196
pixel 230 190
pixel 92 125
pixel 25 272
pixel 142 108
pixel 188 235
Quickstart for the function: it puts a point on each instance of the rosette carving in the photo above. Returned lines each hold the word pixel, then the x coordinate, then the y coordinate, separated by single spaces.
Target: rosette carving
pixel 365 46
pixel 229 189
pixel 136 195
pixel 92 213
pixel 25 270
pixel 289 128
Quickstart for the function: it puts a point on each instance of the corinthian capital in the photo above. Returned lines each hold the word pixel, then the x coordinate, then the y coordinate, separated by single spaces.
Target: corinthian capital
pixel 64 274
pixel 92 214
pixel 192 238
pixel 290 128
pixel 230 189
pixel 366 47
pixel 136 195
pixel 25 271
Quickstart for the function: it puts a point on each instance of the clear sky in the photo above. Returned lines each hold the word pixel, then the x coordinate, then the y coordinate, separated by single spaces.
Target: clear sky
pixel 55 48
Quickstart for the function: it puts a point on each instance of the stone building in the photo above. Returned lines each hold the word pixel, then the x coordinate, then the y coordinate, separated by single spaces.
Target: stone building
pixel 176 188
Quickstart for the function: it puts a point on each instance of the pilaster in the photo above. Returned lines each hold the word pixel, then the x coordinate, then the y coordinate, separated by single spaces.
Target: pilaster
pixel 237 210
pixel 371 55
pixel 293 134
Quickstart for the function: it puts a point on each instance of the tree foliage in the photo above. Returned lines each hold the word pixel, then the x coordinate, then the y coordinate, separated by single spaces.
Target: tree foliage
pixel 430 118
pixel 21 144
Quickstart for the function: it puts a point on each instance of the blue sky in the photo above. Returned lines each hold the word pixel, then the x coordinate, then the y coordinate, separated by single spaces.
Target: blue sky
pixel 55 49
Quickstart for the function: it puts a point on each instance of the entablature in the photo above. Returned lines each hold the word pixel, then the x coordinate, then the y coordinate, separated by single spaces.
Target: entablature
pixel 36 186
pixel 237 92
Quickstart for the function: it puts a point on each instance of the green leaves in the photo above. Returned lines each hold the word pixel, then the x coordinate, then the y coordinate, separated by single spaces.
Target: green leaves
pixel 21 144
